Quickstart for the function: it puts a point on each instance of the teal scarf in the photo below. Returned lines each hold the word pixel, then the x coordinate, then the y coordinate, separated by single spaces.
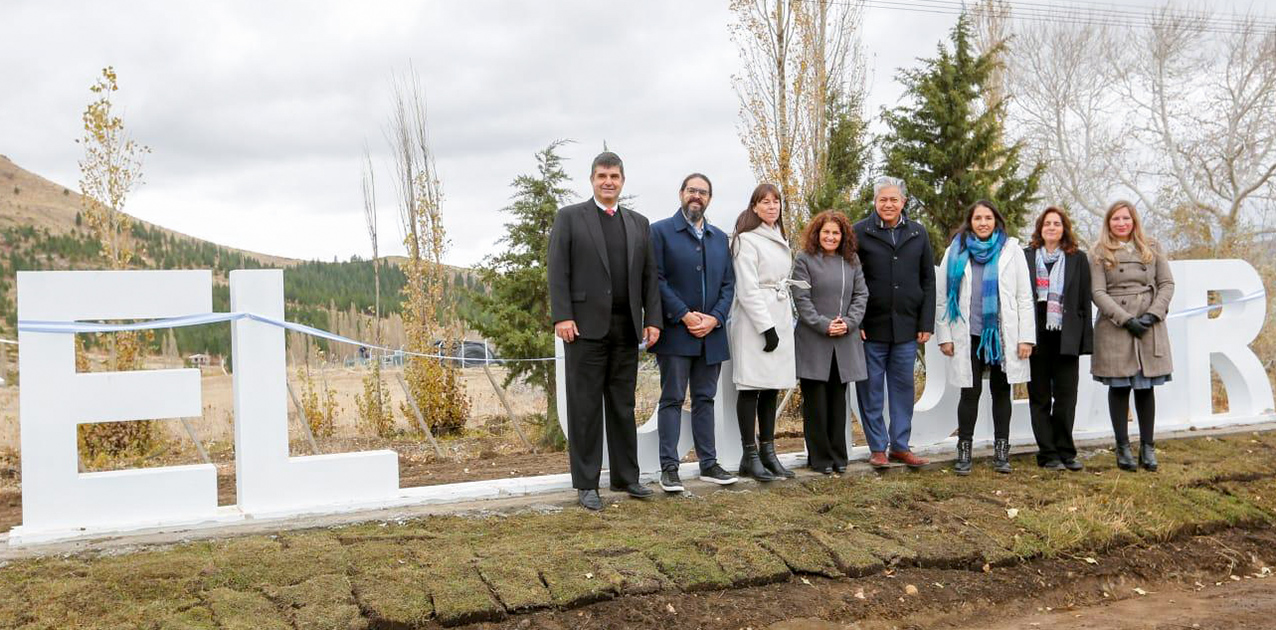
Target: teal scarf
pixel 963 248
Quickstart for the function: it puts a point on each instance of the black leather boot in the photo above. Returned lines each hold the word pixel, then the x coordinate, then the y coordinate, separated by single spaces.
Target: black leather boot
pixel 1125 459
pixel 751 466
pixel 772 463
pixel 1001 456
pixel 1147 456
pixel 962 467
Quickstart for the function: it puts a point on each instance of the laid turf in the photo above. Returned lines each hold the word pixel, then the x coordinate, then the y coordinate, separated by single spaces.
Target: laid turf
pixel 453 570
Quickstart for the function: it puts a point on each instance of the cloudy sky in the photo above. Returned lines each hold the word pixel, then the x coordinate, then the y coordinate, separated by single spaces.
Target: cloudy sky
pixel 258 112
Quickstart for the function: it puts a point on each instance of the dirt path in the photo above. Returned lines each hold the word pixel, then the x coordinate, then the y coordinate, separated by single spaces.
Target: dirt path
pixel 1223 581
pixel 1245 604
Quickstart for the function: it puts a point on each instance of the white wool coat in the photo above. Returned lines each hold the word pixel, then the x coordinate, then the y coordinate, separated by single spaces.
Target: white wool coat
pixel 762 264
pixel 1017 312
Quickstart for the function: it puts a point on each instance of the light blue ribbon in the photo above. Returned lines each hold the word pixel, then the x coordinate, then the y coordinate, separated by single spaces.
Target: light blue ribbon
pixel 72 327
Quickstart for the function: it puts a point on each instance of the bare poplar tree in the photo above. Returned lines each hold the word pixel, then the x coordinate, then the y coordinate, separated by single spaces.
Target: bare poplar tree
pixel 1179 113
pixel 797 57
pixel 373 404
pixel 991 20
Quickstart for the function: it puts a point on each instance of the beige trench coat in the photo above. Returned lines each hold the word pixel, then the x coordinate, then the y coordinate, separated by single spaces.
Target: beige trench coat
pixel 1129 289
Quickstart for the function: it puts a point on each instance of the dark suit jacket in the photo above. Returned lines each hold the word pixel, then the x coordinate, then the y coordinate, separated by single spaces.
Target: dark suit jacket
pixel 901 280
pixel 580 275
pixel 1077 336
pixel 688 267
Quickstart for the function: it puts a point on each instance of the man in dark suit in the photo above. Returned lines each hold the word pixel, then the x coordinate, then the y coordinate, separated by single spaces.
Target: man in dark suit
pixel 604 297
pixel 697 285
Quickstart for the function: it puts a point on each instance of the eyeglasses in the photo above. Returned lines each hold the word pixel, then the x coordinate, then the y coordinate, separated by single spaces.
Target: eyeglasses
pixel 692 190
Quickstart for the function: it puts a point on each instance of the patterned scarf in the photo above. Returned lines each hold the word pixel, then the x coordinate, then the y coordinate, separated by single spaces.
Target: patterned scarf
pixel 986 253
pixel 1049 286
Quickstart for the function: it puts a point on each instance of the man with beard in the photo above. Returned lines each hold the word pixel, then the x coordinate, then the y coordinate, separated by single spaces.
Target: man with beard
pixel 603 298
pixel 697 285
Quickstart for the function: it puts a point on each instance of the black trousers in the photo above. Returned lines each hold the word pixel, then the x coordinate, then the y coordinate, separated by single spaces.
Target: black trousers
pixel 602 374
pixel 824 420
pixel 968 404
pixel 1052 399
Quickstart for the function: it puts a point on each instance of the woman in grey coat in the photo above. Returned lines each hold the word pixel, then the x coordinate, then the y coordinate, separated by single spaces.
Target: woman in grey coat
pixel 1132 289
pixel 830 353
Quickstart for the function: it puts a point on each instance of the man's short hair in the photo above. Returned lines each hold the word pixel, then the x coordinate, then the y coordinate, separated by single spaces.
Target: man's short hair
pixel 696 176
pixel 607 159
pixel 889 182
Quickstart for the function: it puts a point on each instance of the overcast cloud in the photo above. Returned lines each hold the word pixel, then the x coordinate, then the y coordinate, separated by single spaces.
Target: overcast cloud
pixel 257 112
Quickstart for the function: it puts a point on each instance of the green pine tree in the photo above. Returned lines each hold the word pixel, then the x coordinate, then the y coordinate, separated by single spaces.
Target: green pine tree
pixel 949 149
pixel 847 160
pixel 514 312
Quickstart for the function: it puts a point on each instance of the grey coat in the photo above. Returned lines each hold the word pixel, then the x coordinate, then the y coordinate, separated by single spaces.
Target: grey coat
pixel 1129 289
pixel 837 288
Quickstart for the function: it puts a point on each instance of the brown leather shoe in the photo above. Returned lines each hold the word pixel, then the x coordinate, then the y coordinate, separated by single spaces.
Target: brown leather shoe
pixel 907 458
pixel 878 460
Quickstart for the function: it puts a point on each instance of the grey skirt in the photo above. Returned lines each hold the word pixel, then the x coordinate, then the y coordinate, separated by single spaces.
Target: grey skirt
pixel 1138 381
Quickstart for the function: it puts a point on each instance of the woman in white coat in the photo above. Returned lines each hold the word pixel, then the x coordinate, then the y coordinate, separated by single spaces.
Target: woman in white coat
pixel 760 329
pixel 985 318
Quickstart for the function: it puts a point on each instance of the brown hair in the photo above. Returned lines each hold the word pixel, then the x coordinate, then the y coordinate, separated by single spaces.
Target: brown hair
pixel 749 220
pixel 1108 243
pixel 965 228
pixel 1067 242
pixel 811 235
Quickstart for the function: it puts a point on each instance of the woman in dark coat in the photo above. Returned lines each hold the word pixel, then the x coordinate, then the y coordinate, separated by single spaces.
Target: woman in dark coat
pixel 830 353
pixel 1065 331
pixel 1132 289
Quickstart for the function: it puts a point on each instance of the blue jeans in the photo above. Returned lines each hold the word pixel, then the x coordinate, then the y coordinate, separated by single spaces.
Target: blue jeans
pixel 675 374
pixel 894 363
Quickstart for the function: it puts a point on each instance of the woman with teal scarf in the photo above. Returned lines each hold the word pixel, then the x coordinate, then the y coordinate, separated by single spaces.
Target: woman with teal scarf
pixel 985 319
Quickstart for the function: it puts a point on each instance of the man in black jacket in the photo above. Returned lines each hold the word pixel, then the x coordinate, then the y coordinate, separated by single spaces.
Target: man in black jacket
pixel 604 296
pixel 899 268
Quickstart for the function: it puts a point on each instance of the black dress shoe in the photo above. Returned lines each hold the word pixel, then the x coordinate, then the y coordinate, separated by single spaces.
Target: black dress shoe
pixel 839 468
pixel 1073 465
pixel 635 490
pixel 823 470
pixel 589 500
pixel 1053 464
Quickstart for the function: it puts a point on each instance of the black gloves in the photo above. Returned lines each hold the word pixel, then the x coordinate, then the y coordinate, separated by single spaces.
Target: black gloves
pixel 772 339
pixel 1147 319
pixel 1135 327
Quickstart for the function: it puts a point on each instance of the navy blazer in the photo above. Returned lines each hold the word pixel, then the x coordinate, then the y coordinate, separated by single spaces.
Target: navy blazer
pixel 697 276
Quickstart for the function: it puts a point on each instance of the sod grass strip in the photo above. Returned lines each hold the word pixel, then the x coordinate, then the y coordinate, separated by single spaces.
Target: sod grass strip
pixel 453 570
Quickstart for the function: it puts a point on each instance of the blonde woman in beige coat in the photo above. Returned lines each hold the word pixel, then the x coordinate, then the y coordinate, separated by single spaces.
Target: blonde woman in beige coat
pixel 1132 289
pixel 760 329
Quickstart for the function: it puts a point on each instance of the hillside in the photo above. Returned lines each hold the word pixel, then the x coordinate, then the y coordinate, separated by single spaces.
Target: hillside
pixel 40 228
pixel 28 200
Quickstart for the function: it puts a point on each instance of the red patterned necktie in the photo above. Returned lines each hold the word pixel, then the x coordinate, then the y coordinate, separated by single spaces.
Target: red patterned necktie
pixel 611 212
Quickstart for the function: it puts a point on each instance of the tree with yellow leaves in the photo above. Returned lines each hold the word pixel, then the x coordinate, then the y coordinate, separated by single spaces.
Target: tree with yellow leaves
pixel 110 170
pixel 428 319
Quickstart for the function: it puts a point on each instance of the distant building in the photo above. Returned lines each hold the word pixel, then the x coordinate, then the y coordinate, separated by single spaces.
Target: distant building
pixel 199 360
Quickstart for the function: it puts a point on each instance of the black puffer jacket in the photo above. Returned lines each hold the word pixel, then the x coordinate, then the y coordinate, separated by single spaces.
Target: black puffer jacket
pixel 899 268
